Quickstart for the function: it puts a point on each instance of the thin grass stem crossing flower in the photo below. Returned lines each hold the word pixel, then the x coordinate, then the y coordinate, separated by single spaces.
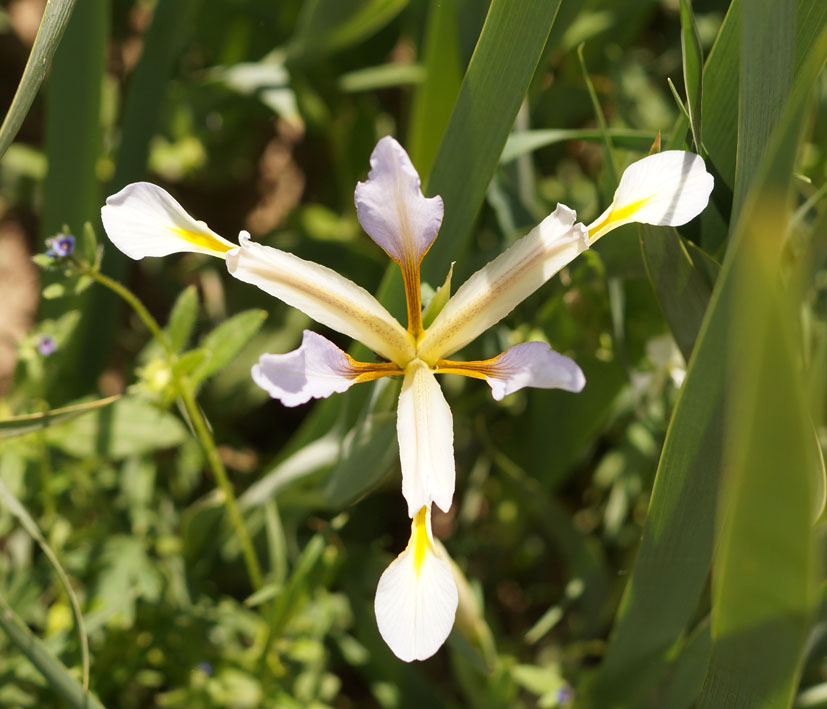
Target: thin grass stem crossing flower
pixel 416 598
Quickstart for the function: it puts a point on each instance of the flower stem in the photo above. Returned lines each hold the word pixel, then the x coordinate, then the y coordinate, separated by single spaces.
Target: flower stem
pixel 199 423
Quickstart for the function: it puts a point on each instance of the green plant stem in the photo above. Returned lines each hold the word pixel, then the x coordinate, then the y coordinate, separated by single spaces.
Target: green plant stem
pixel 220 472
pixel 199 423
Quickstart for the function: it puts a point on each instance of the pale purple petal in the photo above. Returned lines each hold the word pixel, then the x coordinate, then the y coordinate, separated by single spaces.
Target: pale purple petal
pixel 315 370
pixel 391 207
pixel 533 364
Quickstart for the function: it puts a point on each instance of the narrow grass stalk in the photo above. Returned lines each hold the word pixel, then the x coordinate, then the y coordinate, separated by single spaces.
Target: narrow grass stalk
pixel 199 423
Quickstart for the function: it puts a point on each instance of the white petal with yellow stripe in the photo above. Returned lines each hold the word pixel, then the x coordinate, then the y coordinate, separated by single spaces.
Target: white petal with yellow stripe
pixel 145 220
pixel 416 599
pixel 668 188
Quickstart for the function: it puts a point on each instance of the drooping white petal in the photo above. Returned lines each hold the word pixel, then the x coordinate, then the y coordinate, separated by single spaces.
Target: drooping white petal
pixel 498 287
pixel 315 370
pixel 531 364
pixel 668 188
pixel 324 295
pixel 145 220
pixel 391 207
pixel 426 440
pixel 416 599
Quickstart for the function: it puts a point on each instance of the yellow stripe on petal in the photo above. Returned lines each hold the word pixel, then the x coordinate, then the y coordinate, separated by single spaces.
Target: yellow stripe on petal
pixel 616 217
pixel 419 538
pixel 145 220
pixel 203 241
pixel 667 189
pixel 416 599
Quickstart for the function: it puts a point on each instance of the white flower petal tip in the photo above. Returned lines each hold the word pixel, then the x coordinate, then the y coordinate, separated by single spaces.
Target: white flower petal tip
pixel 391 207
pixel 145 220
pixel 531 364
pixel 416 599
pixel 315 370
pixel 666 189
pixel 425 429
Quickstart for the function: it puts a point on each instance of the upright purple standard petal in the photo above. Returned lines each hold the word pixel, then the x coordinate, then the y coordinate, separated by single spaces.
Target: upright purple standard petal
pixel 391 207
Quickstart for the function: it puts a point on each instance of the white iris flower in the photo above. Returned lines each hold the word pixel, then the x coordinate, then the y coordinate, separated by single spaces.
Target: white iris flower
pixel 416 598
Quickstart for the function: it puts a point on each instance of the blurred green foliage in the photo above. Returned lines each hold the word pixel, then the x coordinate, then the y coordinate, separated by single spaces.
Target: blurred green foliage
pixel 704 349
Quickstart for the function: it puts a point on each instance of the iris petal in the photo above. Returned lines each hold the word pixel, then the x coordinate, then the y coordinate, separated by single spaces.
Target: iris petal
pixel 145 220
pixel 416 599
pixel 497 288
pixel 667 188
pixel 324 295
pixel 530 364
pixel 315 370
pixel 426 440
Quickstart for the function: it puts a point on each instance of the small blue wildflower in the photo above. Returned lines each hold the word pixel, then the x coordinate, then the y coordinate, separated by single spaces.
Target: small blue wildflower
pixel 206 668
pixel 46 345
pixel 60 246
pixel 564 695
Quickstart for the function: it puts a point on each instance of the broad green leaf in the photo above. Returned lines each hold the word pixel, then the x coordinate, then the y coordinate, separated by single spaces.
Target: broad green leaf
pixel 128 427
pixel 720 107
pixel 21 425
pixel 226 341
pixel 368 451
pixel 71 190
pixel 693 63
pixel 17 508
pixel 676 550
pixel 680 275
pixel 526 141
pixel 434 98
pixel 767 62
pixel 688 670
pixel 52 669
pixel 52 26
pixel 764 574
pixel 182 319
pixel 498 76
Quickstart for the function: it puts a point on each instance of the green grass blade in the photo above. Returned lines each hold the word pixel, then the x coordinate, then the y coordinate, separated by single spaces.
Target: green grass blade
pixel 71 191
pixel 523 142
pixel 498 76
pixel 56 17
pixel 21 425
pixel 693 64
pixel 678 539
pixel 435 97
pixel 601 118
pixel 18 510
pixel 767 61
pixel 763 575
pixel 682 279
pixel 56 674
